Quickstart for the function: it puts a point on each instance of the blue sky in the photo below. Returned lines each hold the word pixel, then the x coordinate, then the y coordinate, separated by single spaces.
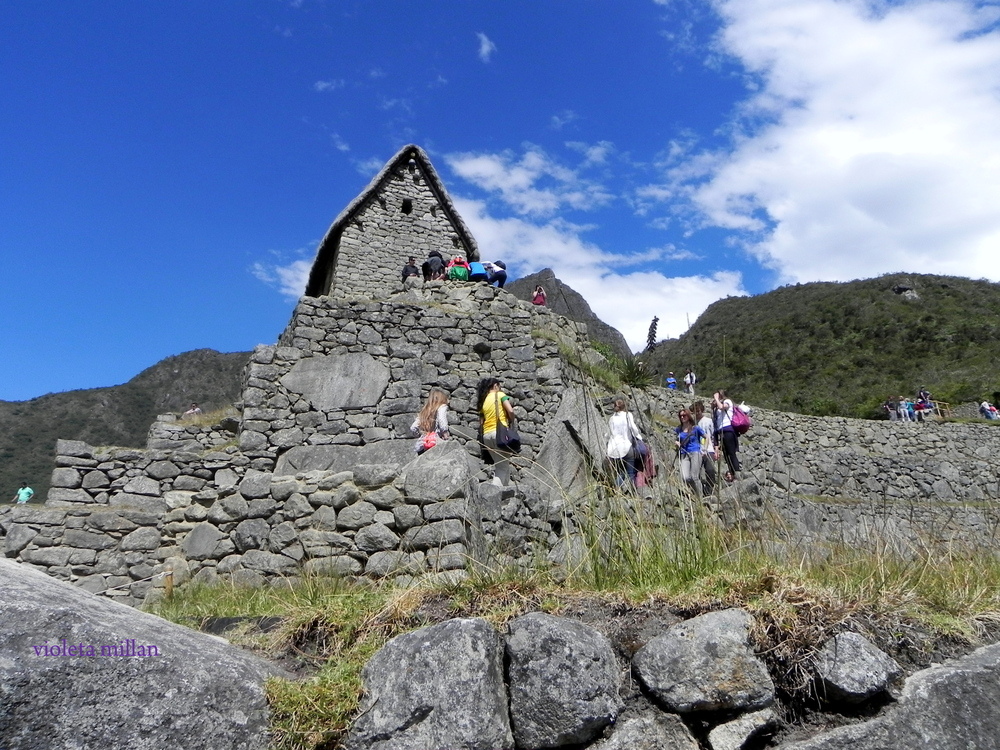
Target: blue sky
pixel 167 168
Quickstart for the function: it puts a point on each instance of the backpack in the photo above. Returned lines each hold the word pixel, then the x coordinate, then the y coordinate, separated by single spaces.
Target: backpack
pixel 740 420
pixel 458 273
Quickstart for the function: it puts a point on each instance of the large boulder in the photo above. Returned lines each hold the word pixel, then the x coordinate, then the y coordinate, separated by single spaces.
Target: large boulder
pixel 953 706
pixel 574 441
pixel 437 687
pixel 81 671
pixel 705 664
pixel 563 679
pixel 443 472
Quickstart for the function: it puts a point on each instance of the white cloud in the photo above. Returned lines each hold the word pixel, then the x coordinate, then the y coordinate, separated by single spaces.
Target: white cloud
pixel 879 149
pixel 288 279
pixel 628 301
pixel 331 85
pixel 534 184
pixel 486 47
pixel 562 119
pixel 339 143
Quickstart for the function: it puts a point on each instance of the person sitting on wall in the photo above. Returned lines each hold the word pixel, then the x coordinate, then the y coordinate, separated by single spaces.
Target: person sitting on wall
pixel 496 273
pixel 539 298
pixel 410 269
pixel 458 269
pixel 671 381
pixel 433 267
pixel 194 411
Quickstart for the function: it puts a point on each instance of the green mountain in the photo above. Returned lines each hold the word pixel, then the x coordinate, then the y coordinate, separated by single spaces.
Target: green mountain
pixel 842 348
pixel 118 415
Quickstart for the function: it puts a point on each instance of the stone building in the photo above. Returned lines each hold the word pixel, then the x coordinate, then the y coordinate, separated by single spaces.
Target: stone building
pixel 405 210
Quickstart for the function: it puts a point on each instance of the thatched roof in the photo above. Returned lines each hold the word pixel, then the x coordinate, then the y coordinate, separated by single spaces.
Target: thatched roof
pixel 326 256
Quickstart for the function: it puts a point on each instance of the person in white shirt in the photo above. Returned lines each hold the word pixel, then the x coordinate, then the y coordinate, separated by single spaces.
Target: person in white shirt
pixel 621 444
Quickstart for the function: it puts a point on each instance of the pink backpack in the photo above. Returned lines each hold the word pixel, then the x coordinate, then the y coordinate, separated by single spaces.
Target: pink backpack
pixel 740 420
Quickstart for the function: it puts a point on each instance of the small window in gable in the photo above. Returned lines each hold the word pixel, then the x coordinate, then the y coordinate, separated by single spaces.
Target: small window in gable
pixel 407 206
pixel 455 242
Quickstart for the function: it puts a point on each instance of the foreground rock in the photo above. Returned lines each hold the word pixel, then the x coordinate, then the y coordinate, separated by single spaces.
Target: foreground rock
pixel 955 706
pixel 852 670
pixel 705 664
pixel 73 674
pixel 437 687
pixel 563 681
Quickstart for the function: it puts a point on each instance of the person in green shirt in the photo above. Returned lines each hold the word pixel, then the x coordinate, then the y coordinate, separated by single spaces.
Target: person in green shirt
pixel 24 494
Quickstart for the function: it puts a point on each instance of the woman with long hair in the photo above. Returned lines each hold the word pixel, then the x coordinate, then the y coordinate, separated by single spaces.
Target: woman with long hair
pixel 722 408
pixel 621 444
pixel 689 441
pixel 494 405
pixel 538 298
pixel 431 423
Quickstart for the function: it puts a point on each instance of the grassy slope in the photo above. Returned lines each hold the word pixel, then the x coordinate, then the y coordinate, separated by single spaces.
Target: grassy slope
pixel 119 415
pixel 842 348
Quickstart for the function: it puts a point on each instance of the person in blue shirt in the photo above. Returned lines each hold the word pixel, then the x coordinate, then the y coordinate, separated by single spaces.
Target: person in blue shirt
pixel 671 381
pixel 689 440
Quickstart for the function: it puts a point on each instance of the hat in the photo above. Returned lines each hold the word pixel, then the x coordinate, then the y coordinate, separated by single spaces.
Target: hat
pixel 500 264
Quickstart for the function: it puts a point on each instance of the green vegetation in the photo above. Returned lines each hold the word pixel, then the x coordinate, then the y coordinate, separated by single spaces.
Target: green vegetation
pixel 843 348
pixel 664 552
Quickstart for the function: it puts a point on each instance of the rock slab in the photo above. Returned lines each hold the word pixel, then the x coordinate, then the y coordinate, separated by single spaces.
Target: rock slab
pixel 196 692
pixel 437 687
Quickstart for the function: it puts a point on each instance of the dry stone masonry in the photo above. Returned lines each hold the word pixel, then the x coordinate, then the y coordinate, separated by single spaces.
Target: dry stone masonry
pixel 316 472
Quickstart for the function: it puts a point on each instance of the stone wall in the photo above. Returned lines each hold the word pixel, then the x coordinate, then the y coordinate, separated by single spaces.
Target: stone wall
pixel 843 479
pixel 168 432
pixel 213 515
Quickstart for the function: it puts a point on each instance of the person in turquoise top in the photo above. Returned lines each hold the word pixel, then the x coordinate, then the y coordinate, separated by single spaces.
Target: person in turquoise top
pixel 24 494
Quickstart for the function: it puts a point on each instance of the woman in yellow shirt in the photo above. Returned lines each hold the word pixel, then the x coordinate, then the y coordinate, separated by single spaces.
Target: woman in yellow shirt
pixel 494 403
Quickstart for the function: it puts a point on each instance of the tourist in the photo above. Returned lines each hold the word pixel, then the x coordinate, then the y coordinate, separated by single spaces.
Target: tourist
pixel 458 269
pixel 709 453
pixel 689 444
pixel 539 298
pixel 431 423
pixel 433 267
pixel 191 413
pixel 671 381
pixel 496 273
pixel 492 404
pixel 689 380
pixel 410 269
pixel 725 434
pixel 890 408
pixel 23 495
pixel 622 444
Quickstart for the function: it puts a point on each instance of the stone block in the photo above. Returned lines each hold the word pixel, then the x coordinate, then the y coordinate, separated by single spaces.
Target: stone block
pixel 341 381
pixel 61 496
pixel 356 516
pixel 437 534
pixel 142 486
pixel 66 477
pixel 146 538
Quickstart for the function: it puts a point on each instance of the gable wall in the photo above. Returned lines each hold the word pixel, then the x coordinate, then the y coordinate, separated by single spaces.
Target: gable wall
pixel 375 244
